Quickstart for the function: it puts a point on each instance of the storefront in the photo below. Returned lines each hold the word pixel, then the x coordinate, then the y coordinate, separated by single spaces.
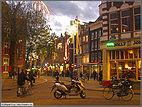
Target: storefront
pixel 122 58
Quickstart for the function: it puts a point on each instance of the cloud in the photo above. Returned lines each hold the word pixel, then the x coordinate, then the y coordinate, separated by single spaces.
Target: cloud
pixel 61 12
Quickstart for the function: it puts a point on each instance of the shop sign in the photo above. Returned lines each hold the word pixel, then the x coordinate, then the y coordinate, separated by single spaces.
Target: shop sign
pixel 137 42
pixel 120 44
pixel 125 43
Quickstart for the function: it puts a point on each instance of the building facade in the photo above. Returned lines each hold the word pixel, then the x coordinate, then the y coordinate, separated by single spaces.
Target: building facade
pixel 120 42
pixel 95 54
pixel 13 47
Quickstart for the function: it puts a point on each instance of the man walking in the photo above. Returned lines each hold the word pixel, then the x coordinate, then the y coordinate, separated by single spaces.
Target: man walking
pixel 94 74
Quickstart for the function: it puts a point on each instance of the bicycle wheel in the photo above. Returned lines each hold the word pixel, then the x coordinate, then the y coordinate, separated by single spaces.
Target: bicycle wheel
pixel 108 93
pixel 127 95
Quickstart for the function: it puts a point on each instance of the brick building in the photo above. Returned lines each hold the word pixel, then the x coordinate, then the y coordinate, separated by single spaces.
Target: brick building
pixel 120 42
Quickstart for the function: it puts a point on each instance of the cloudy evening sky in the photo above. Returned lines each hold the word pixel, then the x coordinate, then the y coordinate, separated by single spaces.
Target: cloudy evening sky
pixel 61 12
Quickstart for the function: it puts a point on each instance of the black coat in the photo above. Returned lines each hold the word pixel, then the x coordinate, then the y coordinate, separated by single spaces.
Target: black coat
pixel 21 78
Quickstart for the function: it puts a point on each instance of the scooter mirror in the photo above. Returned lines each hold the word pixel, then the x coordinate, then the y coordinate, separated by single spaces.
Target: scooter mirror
pixel 57 78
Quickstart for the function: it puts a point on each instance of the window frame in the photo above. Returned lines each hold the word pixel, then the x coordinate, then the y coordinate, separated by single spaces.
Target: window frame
pixel 134 17
pixel 113 20
pixel 125 17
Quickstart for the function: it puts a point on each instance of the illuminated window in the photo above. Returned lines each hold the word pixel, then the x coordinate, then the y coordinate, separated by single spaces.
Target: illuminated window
pixel 125 20
pixel 86 38
pixel 5 64
pixel 114 23
pixel 130 53
pixel 137 18
pixel 83 38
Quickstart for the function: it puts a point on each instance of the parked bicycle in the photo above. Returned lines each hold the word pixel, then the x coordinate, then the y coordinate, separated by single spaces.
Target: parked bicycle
pixel 123 89
pixel 25 89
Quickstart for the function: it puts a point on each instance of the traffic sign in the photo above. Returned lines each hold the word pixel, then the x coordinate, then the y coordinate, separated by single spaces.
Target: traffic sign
pixel 78 66
pixel 19 62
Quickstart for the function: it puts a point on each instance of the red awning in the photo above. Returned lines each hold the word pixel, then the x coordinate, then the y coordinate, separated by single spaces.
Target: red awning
pixel 93 63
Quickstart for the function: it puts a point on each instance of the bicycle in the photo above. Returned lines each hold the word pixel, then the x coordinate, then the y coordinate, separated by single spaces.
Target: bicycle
pixel 25 89
pixel 123 89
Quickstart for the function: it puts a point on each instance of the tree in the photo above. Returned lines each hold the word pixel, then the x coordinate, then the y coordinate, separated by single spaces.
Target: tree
pixel 38 39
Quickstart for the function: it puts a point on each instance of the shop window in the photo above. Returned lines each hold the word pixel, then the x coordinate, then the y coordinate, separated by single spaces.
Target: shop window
pixel 139 53
pixel 114 23
pixel 122 55
pixel 131 53
pixel 139 69
pixel 135 53
pixel 113 54
pixel 5 65
pixel 137 18
pixel 127 69
pixel 113 71
pixel 117 54
pixel 126 54
pixel 125 20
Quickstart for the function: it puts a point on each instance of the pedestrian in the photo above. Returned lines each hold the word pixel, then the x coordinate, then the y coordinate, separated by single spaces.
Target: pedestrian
pixel 31 77
pixel 100 75
pixel 80 74
pixel 62 73
pixel 88 75
pixel 94 74
pixel 21 81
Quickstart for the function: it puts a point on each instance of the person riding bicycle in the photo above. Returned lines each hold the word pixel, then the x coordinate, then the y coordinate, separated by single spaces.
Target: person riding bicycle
pixel 21 81
pixel 31 77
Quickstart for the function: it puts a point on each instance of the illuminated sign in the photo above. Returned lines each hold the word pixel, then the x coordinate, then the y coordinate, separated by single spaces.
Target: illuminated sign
pixel 110 44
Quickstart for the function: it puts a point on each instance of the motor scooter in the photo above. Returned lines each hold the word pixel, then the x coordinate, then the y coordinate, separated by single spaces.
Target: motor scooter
pixel 75 88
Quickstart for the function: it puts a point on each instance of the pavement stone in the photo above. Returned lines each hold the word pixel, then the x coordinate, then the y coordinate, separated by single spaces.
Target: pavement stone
pixel 8 83
pixel 92 85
